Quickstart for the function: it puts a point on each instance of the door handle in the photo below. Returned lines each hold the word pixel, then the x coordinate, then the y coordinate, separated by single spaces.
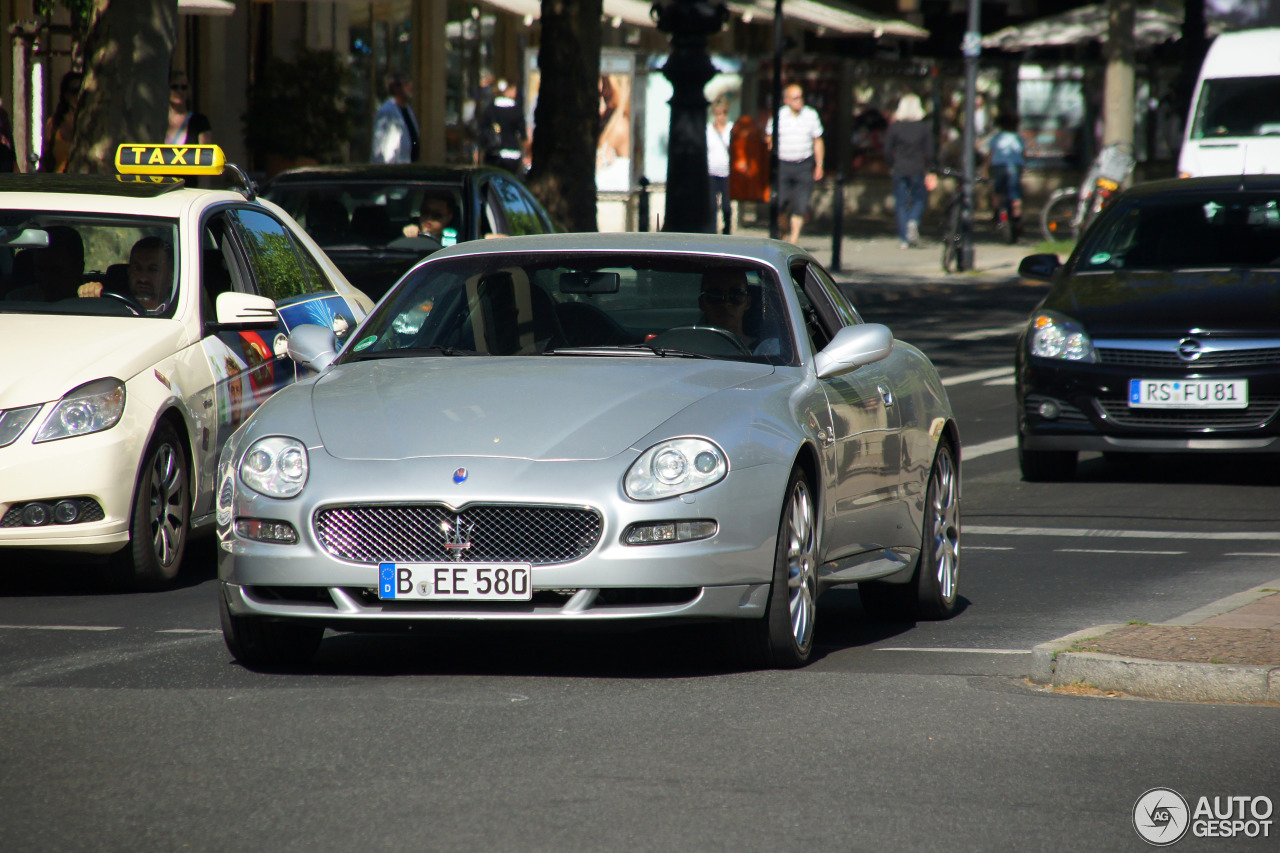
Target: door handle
pixel 885 394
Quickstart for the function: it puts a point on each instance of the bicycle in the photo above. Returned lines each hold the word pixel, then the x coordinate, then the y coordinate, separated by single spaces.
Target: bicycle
pixel 1068 212
pixel 952 237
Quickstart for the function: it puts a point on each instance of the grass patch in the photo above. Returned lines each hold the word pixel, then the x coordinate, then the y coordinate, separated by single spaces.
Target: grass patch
pixel 1061 248
pixel 1135 622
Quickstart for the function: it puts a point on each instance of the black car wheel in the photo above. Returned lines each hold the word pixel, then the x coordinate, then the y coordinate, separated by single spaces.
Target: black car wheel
pixel 261 643
pixel 1046 466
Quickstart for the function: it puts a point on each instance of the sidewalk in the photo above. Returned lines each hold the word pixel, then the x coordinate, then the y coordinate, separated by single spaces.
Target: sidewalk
pixel 1228 651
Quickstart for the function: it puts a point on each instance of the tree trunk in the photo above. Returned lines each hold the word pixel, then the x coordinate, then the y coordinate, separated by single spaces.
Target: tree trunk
pixel 567 117
pixel 1117 111
pixel 125 94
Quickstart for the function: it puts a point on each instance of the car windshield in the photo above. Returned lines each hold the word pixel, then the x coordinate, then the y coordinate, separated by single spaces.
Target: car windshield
pixel 71 263
pixel 1198 231
pixel 378 215
pixel 1240 106
pixel 654 306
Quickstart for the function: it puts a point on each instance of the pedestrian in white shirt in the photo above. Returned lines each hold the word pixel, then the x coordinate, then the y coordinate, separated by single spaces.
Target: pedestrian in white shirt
pixel 800 155
pixel 395 127
pixel 718 138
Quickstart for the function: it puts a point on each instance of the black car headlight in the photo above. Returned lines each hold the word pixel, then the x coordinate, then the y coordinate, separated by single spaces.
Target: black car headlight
pixel 1054 336
pixel 275 466
pixel 93 407
pixel 675 467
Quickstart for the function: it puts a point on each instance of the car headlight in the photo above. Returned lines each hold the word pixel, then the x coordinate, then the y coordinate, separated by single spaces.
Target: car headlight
pixel 14 421
pixel 675 467
pixel 1055 336
pixel 226 486
pixel 275 466
pixel 93 407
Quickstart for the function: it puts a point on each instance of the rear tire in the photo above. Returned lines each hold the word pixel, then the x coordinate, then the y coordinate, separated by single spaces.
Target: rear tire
pixel 265 644
pixel 159 523
pixel 1046 466
pixel 1057 219
pixel 783 638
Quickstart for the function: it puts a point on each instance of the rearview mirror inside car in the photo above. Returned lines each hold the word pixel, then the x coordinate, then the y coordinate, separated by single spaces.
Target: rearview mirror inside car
pixel 590 282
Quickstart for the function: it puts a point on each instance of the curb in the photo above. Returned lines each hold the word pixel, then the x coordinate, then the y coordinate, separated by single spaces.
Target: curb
pixel 1053 664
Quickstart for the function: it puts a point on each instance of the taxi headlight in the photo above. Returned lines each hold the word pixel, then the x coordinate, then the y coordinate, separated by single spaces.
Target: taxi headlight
pixel 1055 336
pixel 675 467
pixel 14 421
pixel 275 466
pixel 93 407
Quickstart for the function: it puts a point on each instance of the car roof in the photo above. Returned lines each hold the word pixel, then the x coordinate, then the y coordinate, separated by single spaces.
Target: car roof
pixel 1215 183
pixel 383 172
pixel 106 194
pixel 773 252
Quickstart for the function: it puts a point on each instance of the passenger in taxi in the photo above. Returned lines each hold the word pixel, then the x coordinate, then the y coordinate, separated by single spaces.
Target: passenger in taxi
pixel 150 276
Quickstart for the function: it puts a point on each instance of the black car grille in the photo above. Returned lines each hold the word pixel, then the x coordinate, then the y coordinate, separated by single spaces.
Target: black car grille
pixel 1170 359
pixel 493 533
pixel 1259 411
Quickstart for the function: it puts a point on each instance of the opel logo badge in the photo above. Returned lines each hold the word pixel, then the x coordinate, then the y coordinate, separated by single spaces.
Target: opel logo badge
pixel 1189 349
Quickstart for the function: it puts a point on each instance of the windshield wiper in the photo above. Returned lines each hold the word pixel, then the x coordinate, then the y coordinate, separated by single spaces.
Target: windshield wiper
pixel 414 352
pixel 641 350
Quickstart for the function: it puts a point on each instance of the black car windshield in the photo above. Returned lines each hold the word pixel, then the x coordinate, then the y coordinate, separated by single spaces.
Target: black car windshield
pixel 1186 231
pixel 380 215
pixel 552 305
pixel 56 262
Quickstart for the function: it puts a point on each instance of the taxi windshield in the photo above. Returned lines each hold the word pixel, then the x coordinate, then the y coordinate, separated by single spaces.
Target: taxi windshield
pixel 374 215
pixel 69 263
pixel 647 306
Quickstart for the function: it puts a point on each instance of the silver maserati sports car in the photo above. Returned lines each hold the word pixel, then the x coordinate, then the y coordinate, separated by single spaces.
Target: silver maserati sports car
pixel 583 428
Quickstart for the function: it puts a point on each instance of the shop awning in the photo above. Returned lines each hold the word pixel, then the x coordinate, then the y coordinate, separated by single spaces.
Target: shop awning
pixel 1154 24
pixel 831 17
pixel 206 7
pixel 629 11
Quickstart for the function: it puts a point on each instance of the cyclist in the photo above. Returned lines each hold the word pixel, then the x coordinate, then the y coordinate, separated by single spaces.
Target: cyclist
pixel 1006 158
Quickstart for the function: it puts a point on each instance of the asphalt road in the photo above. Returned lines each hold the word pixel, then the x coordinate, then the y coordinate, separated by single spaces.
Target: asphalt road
pixel 126 725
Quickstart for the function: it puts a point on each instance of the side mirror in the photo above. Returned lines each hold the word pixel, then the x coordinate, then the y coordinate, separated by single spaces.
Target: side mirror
pixel 313 346
pixel 237 311
pixel 851 348
pixel 1040 267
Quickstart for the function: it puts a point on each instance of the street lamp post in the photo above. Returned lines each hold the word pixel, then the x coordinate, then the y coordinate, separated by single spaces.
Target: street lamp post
pixel 971 46
pixel 689 68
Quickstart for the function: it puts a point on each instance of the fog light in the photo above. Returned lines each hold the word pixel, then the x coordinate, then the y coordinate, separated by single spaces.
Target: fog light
pixel 35 515
pixel 658 532
pixel 277 532
pixel 66 512
pixel 1049 410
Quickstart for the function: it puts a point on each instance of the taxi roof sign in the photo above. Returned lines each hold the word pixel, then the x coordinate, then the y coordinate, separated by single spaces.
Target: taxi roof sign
pixel 170 160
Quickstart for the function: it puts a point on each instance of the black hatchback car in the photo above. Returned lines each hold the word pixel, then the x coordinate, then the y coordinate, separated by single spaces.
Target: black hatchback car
pixel 1161 332
pixel 375 221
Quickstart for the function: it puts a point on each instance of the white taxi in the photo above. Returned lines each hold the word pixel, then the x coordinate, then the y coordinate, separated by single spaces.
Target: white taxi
pixel 141 321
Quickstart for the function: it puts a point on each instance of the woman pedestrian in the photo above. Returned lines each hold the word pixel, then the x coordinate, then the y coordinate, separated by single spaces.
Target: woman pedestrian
pixel 909 151
pixel 719 131
pixel 185 127
pixel 60 126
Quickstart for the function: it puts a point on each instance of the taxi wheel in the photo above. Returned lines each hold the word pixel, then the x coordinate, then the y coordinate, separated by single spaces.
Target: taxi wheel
pixel 783 638
pixel 160 522
pixel 259 643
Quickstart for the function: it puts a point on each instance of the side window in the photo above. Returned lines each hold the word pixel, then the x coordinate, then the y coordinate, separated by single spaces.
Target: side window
pixel 521 216
pixel 492 222
pixel 220 268
pixel 274 258
pixel 844 308
pixel 818 324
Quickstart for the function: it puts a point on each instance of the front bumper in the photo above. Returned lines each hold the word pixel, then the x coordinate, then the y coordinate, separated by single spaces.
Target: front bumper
pixel 724 576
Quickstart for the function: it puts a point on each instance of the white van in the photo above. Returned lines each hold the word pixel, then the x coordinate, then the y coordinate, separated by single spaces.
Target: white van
pixel 1234 124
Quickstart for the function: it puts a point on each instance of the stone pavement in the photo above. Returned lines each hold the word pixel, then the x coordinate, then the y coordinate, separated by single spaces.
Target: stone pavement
pixel 1228 651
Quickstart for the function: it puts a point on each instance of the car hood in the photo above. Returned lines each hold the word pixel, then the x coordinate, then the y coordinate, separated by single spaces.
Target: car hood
pixel 538 408
pixel 59 352
pixel 1172 303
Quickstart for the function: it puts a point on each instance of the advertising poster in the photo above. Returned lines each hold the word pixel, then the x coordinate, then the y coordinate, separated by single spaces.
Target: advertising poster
pixel 726 83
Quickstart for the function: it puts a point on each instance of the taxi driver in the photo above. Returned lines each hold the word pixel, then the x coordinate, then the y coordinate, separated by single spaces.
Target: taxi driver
pixel 150 274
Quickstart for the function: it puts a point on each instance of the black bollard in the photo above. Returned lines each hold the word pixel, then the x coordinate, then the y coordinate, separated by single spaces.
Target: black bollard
pixel 642 205
pixel 837 222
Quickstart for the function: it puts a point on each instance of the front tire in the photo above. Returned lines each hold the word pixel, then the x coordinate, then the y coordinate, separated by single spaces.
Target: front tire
pixel 1046 466
pixel 1057 220
pixel 260 643
pixel 159 524
pixel 783 638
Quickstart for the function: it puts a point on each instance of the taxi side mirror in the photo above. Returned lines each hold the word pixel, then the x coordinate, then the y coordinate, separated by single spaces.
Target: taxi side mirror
pixel 243 311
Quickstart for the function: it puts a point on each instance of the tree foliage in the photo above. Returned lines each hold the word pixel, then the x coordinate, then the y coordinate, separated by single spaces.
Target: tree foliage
pixel 567 117
pixel 297 107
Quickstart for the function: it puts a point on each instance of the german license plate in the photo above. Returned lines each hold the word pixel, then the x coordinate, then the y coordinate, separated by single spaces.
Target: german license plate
pixel 455 581
pixel 1188 393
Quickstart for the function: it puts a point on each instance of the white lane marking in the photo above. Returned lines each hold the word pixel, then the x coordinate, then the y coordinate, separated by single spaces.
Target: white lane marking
pixel 957 651
pixel 1252 554
pixel 58 628
pixel 983 334
pixel 1114 551
pixel 968 547
pixel 189 631
pixel 1004 380
pixel 1087 533
pixel 986 448
pixel 977 376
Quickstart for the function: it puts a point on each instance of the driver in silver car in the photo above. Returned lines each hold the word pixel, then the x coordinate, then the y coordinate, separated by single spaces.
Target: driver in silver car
pixel 728 303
